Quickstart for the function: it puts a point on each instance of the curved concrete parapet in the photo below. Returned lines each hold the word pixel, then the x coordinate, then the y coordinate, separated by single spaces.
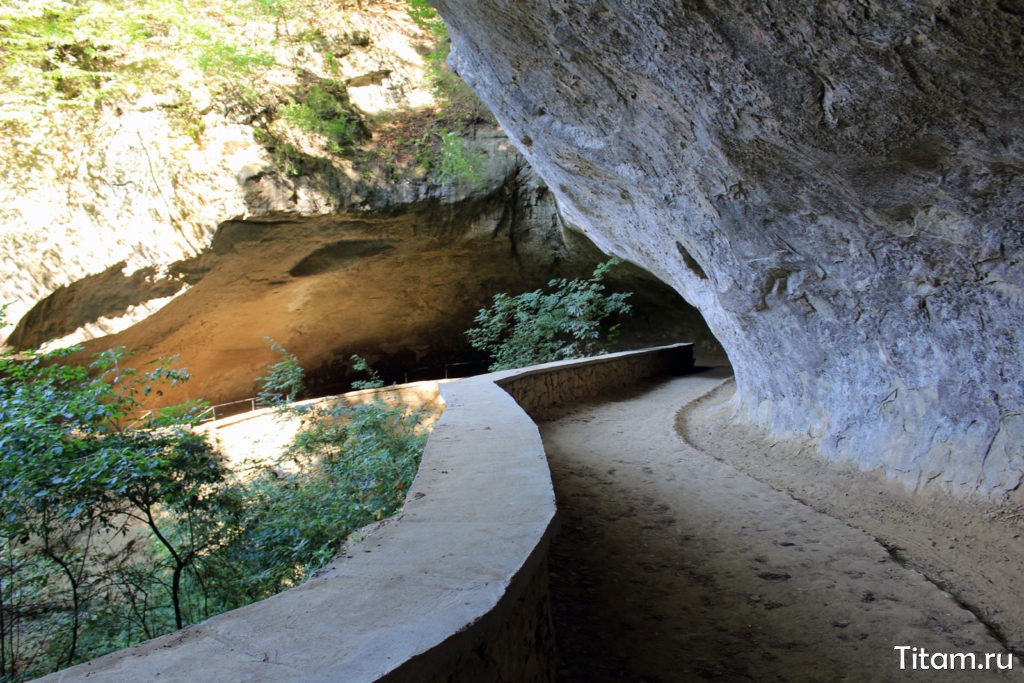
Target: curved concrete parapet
pixel 453 589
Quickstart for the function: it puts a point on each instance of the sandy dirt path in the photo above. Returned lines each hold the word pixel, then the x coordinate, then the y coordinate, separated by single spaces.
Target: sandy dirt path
pixel 671 565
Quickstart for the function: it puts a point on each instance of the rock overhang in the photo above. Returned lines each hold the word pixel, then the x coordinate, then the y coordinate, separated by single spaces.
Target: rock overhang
pixel 837 188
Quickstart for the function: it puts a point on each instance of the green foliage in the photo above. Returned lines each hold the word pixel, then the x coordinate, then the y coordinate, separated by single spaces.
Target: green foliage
pixel 273 7
pixel 89 487
pixel 443 148
pixel 372 381
pixel 568 321
pixel 324 109
pixel 456 162
pixel 349 466
pixel 427 17
pixel 69 46
pixel 118 524
pixel 305 135
pixel 61 61
pixel 435 142
pixel 230 61
pixel 447 156
pixel 458 107
pixel 284 379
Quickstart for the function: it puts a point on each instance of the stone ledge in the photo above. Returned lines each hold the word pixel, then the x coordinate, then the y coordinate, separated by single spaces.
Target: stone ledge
pixel 454 589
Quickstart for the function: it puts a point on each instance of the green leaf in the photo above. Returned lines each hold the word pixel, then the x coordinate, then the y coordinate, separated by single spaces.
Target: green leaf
pixel 568 321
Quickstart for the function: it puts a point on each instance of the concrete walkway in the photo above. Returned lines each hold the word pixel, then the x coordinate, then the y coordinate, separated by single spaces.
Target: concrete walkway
pixel 672 566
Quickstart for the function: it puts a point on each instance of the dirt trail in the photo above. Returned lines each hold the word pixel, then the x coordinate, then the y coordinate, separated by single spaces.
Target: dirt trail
pixel 671 565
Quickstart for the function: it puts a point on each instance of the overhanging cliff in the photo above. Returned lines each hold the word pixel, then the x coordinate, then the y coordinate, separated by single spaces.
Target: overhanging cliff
pixel 837 187
pixel 398 286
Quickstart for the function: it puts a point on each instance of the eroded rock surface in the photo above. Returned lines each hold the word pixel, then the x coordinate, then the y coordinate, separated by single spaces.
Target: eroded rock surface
pixel 143 176
pixel 836 186
pixel 398 287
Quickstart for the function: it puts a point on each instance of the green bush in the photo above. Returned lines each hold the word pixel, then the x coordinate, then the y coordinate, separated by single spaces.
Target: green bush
pixel 456 162
pixel 568 321
pixel 425 16
pixel 118 524
pixel 81 466
pixel 230 61
pixel 324 109
pixel 349 466
pixel 373 379
pixel 284 379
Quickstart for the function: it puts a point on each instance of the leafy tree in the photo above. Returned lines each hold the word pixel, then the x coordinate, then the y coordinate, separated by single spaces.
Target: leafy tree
pixel 82 473
pixel 119 524
pixel 568 321
pixel 284 379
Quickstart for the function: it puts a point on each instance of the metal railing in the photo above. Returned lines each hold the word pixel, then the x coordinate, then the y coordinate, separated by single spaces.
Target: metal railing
pixel 430 371
pixel 215 413
pixel 211 414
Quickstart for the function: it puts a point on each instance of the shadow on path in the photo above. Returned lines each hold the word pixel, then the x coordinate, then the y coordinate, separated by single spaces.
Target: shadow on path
pixel 669 565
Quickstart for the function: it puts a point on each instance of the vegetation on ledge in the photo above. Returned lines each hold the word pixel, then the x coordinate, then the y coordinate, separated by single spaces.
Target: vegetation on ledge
pixel 271 64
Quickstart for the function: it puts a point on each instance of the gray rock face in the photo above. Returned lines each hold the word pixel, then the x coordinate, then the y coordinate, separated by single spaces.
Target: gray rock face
pixel 836 186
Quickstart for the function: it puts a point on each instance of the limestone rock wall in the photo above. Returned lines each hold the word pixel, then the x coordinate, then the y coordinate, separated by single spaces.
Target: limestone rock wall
pixel 836 186
pixel 198 215
pixel 137 192
pixel 144 179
